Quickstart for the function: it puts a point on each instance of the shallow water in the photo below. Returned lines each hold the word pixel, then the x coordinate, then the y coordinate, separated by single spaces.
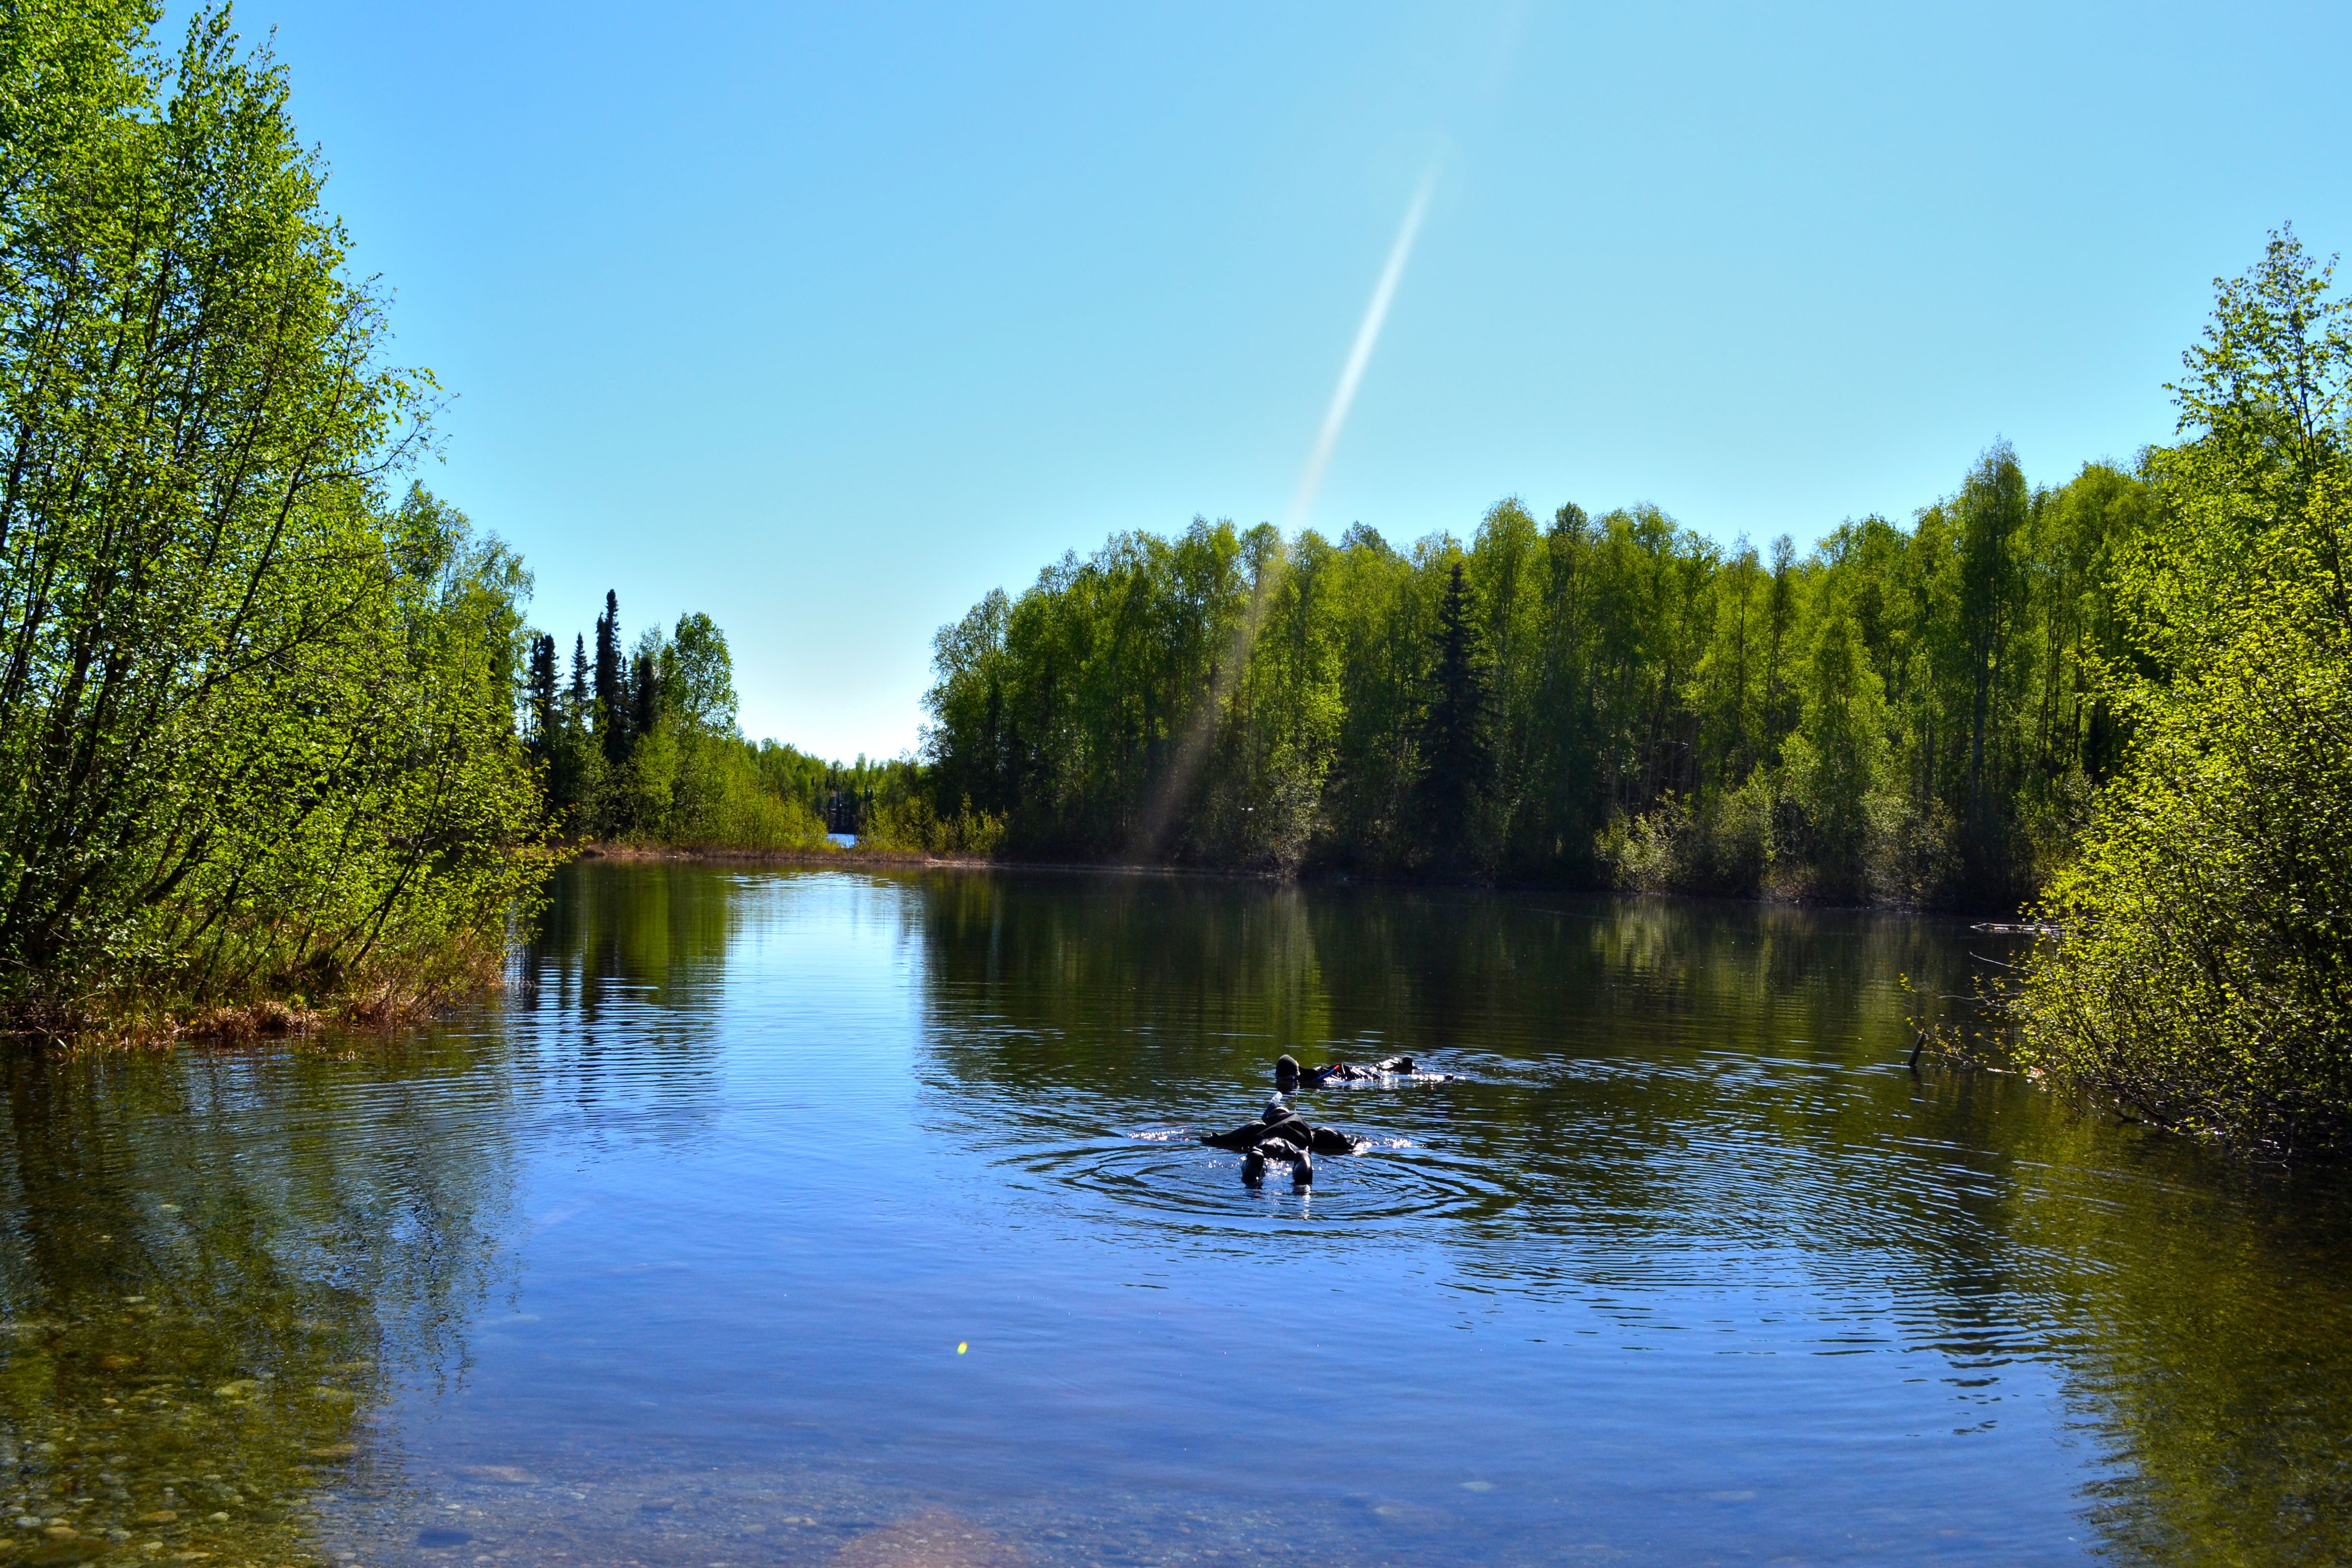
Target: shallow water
pixel 822 1217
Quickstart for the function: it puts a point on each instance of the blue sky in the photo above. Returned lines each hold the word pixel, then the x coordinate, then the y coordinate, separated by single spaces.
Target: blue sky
pixel 826 320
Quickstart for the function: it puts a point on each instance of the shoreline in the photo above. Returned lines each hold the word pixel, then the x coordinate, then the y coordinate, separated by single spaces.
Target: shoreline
pixel 837 857
pixel 919 859
pixel 916 859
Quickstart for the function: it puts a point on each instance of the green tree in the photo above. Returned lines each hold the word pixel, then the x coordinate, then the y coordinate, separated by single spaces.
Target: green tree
pixel 256 722
pixel 613 706
pixel 1456 747
pixel 540 699
pixel 2203 973
pixel 697 676
pixel 1835 755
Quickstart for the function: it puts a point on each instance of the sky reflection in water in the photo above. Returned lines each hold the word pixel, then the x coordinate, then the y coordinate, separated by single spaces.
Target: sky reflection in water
pixel 667 1260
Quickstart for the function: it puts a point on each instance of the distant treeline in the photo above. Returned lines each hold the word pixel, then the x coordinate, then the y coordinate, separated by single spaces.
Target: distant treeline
pixel 1910 713
pixel 639 745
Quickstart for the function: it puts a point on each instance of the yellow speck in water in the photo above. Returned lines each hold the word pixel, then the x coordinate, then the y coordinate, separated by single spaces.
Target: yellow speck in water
pixel 962 1345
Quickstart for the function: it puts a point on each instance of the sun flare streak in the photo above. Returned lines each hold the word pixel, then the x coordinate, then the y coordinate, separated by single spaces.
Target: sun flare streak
pixel 1192 748
pixel 1368 336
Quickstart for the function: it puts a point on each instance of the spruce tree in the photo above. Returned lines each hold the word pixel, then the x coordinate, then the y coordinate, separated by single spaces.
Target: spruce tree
pixel 644 693
pixel 542 696
pixel 571 766
pixel 1454 744
pixel 578 703
pixel 612 683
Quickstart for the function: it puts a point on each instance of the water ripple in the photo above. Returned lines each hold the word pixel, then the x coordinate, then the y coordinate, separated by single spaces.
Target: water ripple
pixel 1167 1170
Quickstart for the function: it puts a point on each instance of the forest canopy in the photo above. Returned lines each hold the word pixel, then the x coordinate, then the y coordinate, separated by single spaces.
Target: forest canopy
pixel 1915 713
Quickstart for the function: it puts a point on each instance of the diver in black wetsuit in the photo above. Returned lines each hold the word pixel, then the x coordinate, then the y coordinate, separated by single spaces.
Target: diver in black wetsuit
pixel 1280 1124
pixel 1302 1167
pixel 1288 1075
pixel 1281 1133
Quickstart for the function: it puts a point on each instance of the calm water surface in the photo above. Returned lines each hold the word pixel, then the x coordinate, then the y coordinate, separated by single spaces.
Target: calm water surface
pixel 828 1218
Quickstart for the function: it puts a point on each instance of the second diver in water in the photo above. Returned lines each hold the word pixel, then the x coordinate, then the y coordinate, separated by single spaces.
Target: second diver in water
pixel 1288 1075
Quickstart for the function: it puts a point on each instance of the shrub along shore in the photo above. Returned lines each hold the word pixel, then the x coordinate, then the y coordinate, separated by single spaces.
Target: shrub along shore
pixel 277 743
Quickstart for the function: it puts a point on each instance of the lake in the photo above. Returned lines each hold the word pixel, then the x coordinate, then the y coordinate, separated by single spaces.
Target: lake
pixel 835 1217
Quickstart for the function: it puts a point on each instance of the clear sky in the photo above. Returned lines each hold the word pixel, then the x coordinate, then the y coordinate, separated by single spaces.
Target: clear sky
pixel 828 319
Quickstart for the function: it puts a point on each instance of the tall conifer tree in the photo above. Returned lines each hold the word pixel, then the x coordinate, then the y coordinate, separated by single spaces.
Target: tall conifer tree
pixel 542 696
pixel 612 683
pixel 644 693
pixel 1455 740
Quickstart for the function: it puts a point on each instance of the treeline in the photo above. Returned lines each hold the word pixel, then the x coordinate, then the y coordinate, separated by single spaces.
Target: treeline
pixel 256 697
pixel 1908 713
pixel 639 745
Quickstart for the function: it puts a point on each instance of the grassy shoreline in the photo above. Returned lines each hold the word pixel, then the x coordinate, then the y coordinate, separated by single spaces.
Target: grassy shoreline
pixel 386 998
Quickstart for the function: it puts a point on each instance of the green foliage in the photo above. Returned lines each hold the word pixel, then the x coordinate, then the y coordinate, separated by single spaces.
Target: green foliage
pixel 901 817
pixel 1912 715
pixel 256 722
pixel 676 774
pixel 1836 758
pixel 2203 972
pixel 648 751
pixel 1456 755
